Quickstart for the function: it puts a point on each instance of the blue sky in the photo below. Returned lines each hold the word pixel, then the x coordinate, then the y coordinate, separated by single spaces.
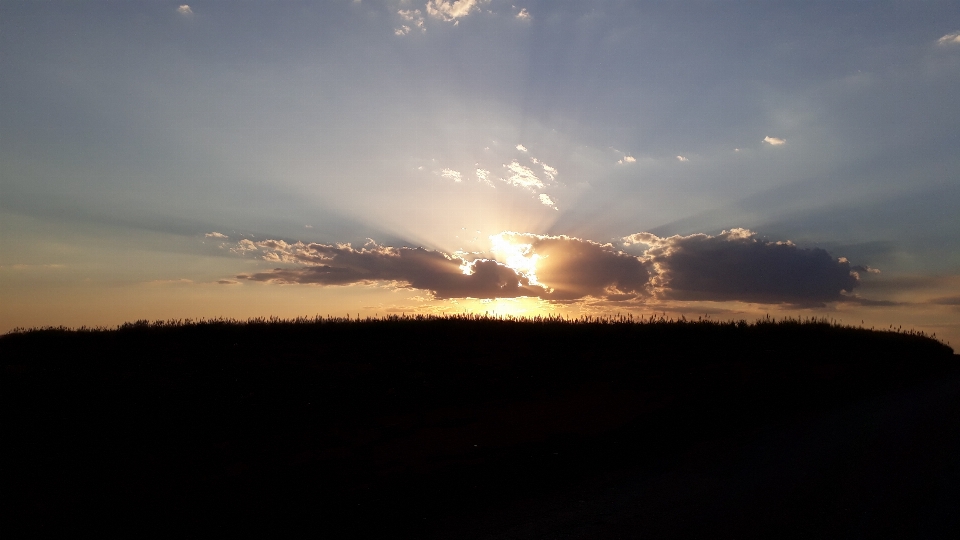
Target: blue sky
pixel 131 132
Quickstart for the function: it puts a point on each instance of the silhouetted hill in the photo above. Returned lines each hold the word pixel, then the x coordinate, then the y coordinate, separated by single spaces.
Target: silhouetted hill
pixel 469 427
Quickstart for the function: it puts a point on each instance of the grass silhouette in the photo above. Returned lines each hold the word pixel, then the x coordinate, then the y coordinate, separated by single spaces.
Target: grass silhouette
pixel 436 426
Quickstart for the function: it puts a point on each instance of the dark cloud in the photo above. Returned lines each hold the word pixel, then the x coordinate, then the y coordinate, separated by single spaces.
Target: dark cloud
pixel 732 266
pixel 418 268
pixel 946 301
pixel 575 268
pixel 735 265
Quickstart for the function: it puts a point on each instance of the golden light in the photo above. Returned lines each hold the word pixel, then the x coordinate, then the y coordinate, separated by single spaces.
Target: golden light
pixel 516 256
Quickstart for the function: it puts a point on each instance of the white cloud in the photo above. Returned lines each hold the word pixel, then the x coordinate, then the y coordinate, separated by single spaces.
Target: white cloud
pixel 774 141
pixel 451 174
pixel 451 10
pixel 414 16
pixel 547 201
pixel 184 10
pixel 483 175
pixel 524 15
pixel 521 148
pixel 627 159
pixel 549 171
pixel 681 158
pixel 215 234
pixel 523 177
pixel 950 39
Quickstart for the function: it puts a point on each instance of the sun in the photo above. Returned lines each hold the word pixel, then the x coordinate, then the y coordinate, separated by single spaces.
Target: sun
pixel 515 255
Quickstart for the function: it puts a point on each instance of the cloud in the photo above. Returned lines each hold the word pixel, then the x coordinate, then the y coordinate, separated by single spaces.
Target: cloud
pixel 451 174
pixel 185 10
pixel 681 158
pixel 227 282
pixel 215 235
pixel 547 201
pixel 451 10
pixel 946 301
pixel 574 268
pixel 521 148
pixel 524 15
pixel 413 16
pixel 523 177
pixel 950 39
pixel 773 141
pixel 445 276
pixel 483 175
pixel 627 159
pixel 735 265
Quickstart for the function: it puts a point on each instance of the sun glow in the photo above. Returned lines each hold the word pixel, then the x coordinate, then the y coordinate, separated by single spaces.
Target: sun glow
pixel 516 256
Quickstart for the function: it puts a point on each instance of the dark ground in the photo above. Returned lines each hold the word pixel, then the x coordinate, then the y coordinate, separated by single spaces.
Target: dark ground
pixel 483 429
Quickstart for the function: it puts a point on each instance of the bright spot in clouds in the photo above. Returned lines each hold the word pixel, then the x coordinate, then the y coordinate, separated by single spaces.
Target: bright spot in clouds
pixel 184 10
pixel 627 159
pixel 215 235
pixel 515 255
pixel 521 148
pixel 524 15
pixel 774 141
pixel 681 158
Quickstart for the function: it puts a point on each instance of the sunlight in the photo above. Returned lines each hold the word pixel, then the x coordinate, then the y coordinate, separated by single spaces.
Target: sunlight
pixel 516 256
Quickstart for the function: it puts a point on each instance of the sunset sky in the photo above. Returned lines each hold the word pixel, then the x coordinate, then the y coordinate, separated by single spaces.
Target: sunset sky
pixel 160 160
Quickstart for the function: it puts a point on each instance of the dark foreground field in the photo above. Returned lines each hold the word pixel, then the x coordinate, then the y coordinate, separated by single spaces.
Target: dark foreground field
pixel 482 429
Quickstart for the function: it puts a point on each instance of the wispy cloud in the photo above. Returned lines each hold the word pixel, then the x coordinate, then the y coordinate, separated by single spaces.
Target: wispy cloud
pixel 524 15
pixel 451 174
pixel 412 16
pixel 681 158
pixel 215 235
pixel 523 177
pixel 521 148
pixel 627 159
pixel 451 10
pixel 483 176
pixel 774 141
pixel 185 10
pixel 950 39
pixel 547 201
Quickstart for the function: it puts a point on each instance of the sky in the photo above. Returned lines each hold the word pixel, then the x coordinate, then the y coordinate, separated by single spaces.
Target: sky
pixel 161 160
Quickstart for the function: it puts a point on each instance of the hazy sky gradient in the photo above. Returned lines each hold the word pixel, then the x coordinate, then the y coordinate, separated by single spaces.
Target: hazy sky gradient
pixel 131 131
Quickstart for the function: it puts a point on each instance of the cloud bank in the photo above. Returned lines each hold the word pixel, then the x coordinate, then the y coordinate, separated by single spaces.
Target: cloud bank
pixel 732 266
pixel 736 265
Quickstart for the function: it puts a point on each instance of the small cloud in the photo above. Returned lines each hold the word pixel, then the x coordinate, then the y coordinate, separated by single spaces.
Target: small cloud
pixel 227 282
pixel 215 235
pixel 523 177
pixel 483 175
pixel 736 149
pixel 549 171
pixel 451 174
pixel 413 16
pixel 521 148
pixel 774 141
pixel 627 159
pixel 451 10
pixel 946 301
pixel 681 158
pixel 185 10
pixel 524 15
pixel 308 226
pixel 950 39
pixel 547 201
